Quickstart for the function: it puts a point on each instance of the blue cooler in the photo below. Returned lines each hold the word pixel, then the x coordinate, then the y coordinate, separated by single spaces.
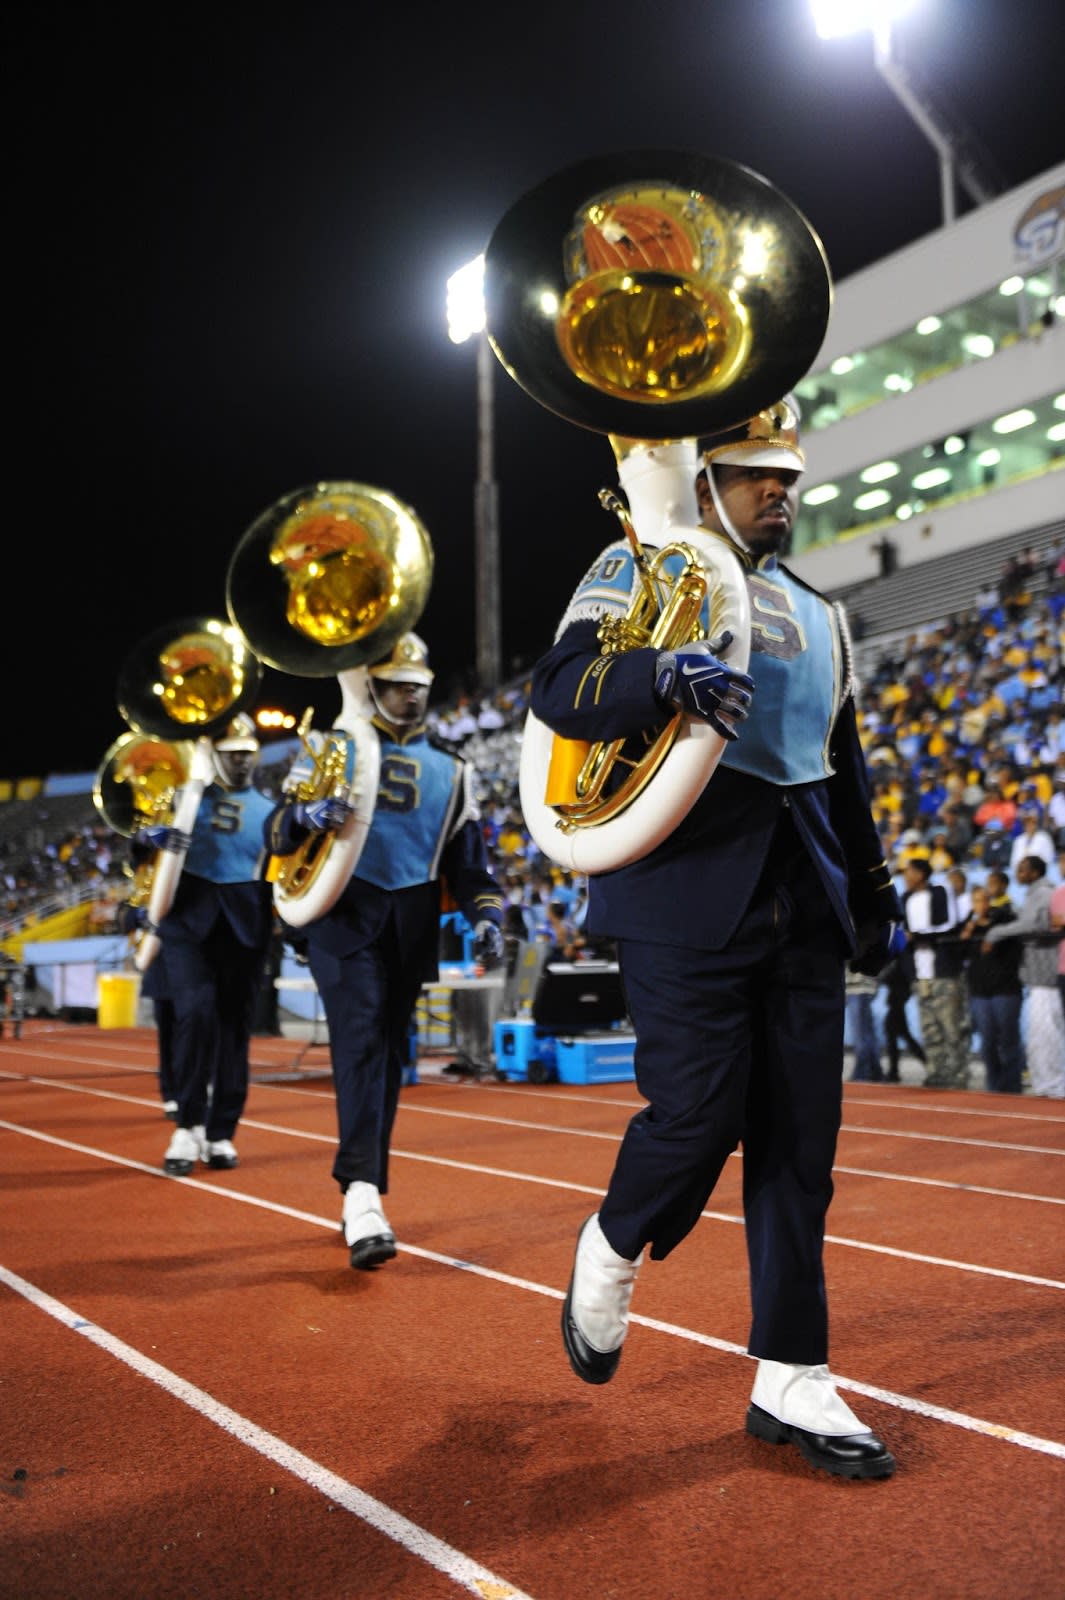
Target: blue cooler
pixel 524 1051
pixel 596 1058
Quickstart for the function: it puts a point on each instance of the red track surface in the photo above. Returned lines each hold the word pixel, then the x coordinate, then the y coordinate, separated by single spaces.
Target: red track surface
pixel 198 1397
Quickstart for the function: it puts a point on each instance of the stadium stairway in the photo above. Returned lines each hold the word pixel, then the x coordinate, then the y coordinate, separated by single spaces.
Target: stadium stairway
pixel 926 593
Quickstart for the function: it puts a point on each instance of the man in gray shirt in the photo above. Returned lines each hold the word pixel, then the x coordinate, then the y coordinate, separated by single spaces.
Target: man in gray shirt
pixel 1045 1025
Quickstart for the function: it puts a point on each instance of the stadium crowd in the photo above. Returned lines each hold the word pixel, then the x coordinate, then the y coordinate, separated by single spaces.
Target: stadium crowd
pixel 962 725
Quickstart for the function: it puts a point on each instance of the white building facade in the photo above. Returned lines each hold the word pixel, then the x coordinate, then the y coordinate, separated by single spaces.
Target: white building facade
pixel 934 417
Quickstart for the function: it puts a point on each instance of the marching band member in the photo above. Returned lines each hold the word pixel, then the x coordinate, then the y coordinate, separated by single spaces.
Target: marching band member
pixel 214 942
pixel 733 936
pixel 375 947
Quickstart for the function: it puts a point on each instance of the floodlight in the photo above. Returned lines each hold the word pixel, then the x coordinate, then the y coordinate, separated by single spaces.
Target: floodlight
pixel 835 18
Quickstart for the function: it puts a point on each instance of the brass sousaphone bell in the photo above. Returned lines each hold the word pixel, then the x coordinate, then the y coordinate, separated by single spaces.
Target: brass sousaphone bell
pixel 324 583
pixel 656 294
pixel 135 787
pixel 329 577
pixel 137 780
pixel 188 678
pixel 653 296
pixel 178 689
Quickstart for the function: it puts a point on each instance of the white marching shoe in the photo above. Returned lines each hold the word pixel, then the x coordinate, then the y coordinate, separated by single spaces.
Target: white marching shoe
pixel 595 1315
pixel 366 1229
pixel 184 1150
pixel 220 1154
pixel 800 1405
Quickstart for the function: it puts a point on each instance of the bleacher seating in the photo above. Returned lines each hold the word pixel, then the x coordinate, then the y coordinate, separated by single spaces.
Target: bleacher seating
pixel 36 881
pixel 898 614
pixel 29 825
pixel 926 592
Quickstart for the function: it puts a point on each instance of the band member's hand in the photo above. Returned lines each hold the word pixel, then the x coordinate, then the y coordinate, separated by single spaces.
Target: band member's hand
pixel 695 680
pixel 878 943
pixel 318 815
pixel 161 837
pixel 131 919
pixel 487 945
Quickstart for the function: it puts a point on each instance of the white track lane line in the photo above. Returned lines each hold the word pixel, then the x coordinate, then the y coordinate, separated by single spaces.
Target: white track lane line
pixel 885 1133
pixel 575 1188
pixel 468 1574
pixel 548 1127
pixel 887 1102
pixel 1015 1111
pixel 574 1133
pixel 958 1419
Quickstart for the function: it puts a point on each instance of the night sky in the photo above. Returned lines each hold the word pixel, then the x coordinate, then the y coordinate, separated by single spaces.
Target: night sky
pixel 228 243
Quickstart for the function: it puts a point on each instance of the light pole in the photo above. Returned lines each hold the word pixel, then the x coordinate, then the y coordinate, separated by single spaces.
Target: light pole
pixel 465 318
pixel 834 18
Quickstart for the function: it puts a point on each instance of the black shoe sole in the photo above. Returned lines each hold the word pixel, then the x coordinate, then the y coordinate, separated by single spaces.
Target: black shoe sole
pixel 879 1464
pixel 222 1163
pixel 369 1253
pixel 178 1169
pixel 592 1366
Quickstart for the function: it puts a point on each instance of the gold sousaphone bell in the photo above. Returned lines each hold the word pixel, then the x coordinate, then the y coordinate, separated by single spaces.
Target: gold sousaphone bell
pixel 135 787
pixel 137 780
pixel 179 688
pixel 329 577
pixel 188 678
pixel 656 294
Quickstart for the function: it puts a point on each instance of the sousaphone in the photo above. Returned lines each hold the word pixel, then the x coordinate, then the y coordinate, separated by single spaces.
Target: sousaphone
pixel 135 788
pixel 178 689
pixel 136 783
pixel 653 296
pixel 323 584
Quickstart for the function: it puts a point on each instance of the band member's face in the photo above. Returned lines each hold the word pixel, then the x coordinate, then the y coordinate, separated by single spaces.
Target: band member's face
pixel 236 767
pixel 760 503
pixel 403 704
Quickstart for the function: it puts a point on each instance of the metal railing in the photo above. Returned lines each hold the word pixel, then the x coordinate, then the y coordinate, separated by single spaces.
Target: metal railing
pixel 66 899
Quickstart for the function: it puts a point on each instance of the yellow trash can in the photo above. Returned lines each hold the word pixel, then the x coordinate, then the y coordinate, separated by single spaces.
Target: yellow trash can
pixel 117 997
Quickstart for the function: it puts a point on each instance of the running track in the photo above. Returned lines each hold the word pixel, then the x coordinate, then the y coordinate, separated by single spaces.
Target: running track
pixel 198 1397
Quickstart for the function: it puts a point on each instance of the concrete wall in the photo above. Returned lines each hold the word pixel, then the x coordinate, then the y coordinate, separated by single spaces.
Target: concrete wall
pixel 68 969
pixel 1038 503
pixel 1015 234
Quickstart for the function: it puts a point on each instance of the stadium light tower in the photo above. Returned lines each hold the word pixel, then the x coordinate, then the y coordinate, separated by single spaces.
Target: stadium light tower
pixel 834 18
pixel 465 320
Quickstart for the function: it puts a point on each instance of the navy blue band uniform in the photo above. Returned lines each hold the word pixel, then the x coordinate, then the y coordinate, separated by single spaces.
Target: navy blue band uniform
pixel 214 942
pixel 732 936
